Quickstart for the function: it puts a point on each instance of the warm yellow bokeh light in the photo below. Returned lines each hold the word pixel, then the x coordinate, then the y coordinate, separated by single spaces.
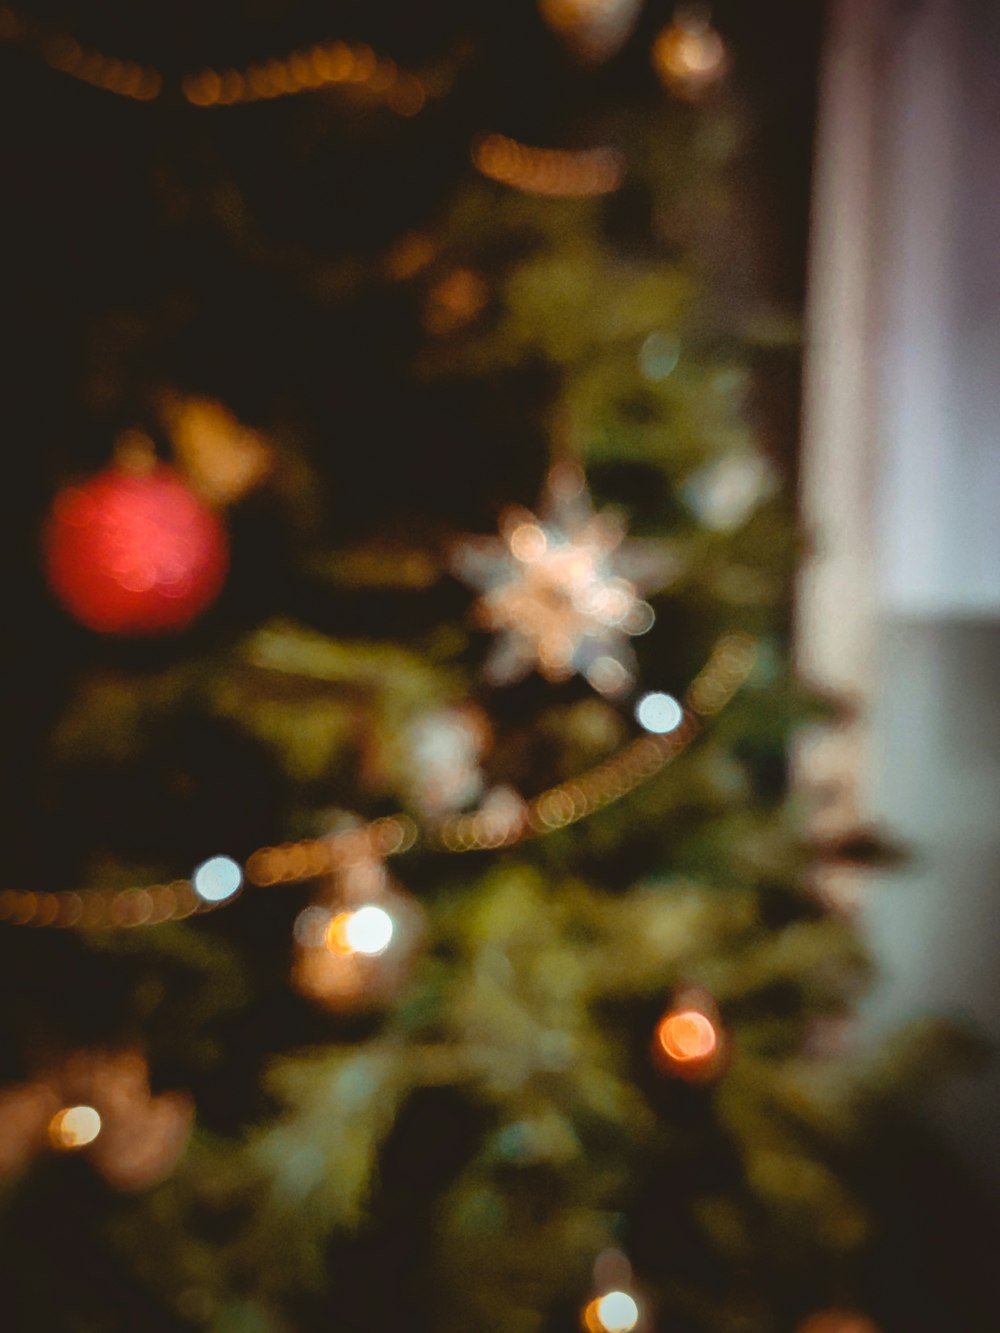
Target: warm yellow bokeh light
pixel 615 1312
pixel 368 931
pixel 74 1127
pixel 689 56
pixel 552 171
pixel 687 1036
pixel 689 50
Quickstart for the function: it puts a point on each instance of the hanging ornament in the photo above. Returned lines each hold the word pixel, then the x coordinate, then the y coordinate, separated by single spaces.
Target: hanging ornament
pixel 97 1103
pixel 134 551
pixel 689 56
pixel 562 590
pixel 593 30
pixel 837 1321
pixel 355 947
pixel 689 1042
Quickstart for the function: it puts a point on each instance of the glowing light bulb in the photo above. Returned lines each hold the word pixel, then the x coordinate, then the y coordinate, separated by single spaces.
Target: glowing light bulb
pixel 74 1127
pixel 615 1312
pixel 659 713
pixel 689 55
pixel 687 1036
pixel 369 930
pixel 217 879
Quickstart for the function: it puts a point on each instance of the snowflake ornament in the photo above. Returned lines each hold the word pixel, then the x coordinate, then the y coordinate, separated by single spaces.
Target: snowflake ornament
pixel 562 589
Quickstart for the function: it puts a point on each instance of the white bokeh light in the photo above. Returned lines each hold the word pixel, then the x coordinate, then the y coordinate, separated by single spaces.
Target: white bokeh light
pixel 659 713
pixel 217 879
pixel 369 930
pixel 617 1312
pixel 75 1127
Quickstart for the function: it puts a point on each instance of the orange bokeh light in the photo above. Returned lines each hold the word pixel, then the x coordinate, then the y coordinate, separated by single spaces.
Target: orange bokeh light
pixel 74 1127
pixel 614 1312
pixel 687 1037
pixel 591 1319
pixel 689 56
pixel 337 940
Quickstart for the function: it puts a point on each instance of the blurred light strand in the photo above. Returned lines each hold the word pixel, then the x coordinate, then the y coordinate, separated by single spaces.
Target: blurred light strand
pixel 726 670
pixel 560 172
pixel 306 69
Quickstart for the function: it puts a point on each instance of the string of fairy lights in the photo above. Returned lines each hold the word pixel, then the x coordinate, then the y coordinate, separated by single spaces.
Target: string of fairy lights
pixel 552 171
pixel 670 729
pixel 688 56
pixel 306 69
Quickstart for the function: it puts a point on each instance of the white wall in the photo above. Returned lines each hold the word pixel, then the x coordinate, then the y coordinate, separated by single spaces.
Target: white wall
pixel 939 328
pixel 900 605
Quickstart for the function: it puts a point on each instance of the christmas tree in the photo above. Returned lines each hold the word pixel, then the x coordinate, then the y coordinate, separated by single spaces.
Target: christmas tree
pixel 409 919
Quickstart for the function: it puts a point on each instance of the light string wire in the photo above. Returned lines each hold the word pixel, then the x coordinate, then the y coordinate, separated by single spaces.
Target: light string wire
pixel 726 671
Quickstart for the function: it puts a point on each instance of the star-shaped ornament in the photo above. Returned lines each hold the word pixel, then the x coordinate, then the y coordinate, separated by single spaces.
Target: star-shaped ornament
pixel 563 589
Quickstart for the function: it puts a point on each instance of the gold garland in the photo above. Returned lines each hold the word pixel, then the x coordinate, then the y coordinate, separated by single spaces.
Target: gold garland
pixel 726 670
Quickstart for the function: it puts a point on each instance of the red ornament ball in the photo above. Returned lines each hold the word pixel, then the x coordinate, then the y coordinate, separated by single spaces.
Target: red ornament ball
pixel 838 1321
pixel 135 552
